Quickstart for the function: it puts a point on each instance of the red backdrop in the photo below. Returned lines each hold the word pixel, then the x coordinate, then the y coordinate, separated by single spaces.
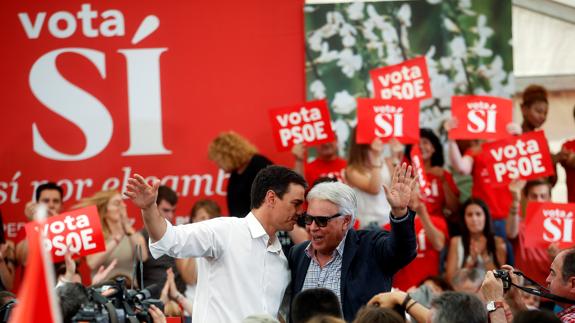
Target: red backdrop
pixel 220 65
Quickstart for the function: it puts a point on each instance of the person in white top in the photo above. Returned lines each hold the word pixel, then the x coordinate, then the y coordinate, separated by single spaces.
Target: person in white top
pixel 243 270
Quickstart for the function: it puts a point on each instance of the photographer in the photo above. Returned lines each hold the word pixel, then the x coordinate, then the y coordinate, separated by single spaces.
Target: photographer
pixel 560 282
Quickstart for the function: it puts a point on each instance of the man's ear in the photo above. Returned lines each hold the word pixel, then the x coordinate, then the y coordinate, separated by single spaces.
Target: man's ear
pixel 346 222
pixel 571 282
pixel 270 198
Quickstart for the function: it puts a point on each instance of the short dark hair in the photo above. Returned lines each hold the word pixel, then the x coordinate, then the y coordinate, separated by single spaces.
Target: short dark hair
pixel 167 194
pixel 315 301
pixel 275 178
pixel 376 314
pixel 48 186
pixel 454 307
pixel 568 269
pixel 72 296
pixel 535 316
pixel 534 183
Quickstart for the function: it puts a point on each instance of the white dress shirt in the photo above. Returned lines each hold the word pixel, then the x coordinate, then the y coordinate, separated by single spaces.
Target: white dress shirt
pixel 239 274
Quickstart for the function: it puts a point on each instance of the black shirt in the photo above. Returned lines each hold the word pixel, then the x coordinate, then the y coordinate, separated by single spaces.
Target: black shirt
pixel 240 186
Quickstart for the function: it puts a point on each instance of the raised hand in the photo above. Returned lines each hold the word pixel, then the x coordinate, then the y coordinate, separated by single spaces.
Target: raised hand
pixel 141 193
pixel 403 185
pixel 103 272
pixel 298 151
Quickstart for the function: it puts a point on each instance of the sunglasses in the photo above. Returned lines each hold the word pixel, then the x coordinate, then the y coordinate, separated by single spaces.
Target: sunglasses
pixel 321 221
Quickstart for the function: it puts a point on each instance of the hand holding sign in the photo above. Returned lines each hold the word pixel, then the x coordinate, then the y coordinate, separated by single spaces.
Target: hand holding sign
pixel 387 119
pixel 141 193
pixel 481 117
pixel 308 123
pixel 79 231
pixel 405 81
pixel 520 157
pixel 547 223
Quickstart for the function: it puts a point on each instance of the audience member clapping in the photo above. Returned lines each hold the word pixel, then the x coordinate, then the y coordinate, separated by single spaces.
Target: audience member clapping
pixel 121 238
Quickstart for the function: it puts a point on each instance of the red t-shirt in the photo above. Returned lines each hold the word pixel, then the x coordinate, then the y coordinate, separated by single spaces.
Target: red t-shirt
pixel 427 261
pixel 570 145
pixel 497 197
pixel 435 201
pixel 533 262
pixel 321 168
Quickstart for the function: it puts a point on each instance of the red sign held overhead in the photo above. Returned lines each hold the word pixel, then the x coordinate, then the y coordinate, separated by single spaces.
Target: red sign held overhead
pixel 79 230
pixel 387 119
pixel 549 223
pixel 519 157
pixel 309 124
pixel 480 117
pixel 408 80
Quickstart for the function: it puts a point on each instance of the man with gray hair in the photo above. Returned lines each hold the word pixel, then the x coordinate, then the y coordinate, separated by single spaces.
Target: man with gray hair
pixel 455 307
pixel 355 265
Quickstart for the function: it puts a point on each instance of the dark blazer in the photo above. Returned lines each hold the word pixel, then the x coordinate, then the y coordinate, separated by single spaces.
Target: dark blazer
pixel 370 259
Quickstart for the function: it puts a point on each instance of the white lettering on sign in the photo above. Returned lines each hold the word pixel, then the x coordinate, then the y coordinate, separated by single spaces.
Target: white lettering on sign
pixel 390 120
pixel 405 84
pixel 62 24
pixel 79 235
pixel 305 125
pixel 482 117
pixel 558 225
pixel 524 159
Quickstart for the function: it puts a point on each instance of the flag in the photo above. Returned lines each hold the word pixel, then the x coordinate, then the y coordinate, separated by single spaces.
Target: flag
pixel 37 297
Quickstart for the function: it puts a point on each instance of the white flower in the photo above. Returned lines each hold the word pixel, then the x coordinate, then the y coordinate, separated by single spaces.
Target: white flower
pixel 370 88
pixel 307 9
pixel 347 32
pixel 375 17
pixel 355 10
pixel 404 15
pixel 404 37
pixel 388 33
pixel 326 55
pixel 457 46
pixel 315 41
pixel 482 29
pixel 317 89
pixel 343 103
pixel 349 62
pixel 332 25
pixel 368 33
pixel 442 88
pixel 464 4
pixel 434 1
pixel 450 25
pixel 446 63
pixel 342 132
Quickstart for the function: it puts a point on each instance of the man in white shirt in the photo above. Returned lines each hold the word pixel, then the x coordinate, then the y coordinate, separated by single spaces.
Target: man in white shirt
pixel 243 270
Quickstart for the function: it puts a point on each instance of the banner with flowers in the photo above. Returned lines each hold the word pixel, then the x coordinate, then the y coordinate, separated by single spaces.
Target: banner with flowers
pixel 464 54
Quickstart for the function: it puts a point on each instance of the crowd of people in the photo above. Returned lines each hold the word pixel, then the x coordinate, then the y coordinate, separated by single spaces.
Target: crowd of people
pixel 331 239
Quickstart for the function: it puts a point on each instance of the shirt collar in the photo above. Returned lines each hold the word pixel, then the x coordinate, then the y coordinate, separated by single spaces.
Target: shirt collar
pixel 257 231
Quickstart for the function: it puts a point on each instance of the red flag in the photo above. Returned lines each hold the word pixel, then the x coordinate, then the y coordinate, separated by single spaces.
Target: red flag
pixel 36 297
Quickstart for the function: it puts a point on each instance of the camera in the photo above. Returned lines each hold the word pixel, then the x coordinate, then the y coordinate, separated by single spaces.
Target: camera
pixel 505 278
pixel 123 305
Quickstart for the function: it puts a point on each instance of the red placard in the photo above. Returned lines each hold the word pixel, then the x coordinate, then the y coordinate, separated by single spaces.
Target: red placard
pixel 523 157
pixel 480 117
pixel 417 163
pixel 387 119
pixel 307 123
pixel 546 223
pixel 405 81
pixel 80 230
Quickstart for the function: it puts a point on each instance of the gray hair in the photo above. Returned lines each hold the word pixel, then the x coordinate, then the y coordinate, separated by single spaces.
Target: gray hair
pixel 337 193
pixel 454 307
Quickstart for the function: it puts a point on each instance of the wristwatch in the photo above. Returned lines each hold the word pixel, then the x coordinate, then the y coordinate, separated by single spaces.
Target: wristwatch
pixel 492 306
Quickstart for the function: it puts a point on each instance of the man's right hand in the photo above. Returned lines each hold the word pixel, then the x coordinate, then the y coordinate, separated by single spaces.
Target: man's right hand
pixel 141 193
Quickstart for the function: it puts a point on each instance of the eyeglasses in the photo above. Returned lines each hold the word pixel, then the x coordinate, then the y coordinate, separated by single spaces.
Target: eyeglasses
pixel 321 221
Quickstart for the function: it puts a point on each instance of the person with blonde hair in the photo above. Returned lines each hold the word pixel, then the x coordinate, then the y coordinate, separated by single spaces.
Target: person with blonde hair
pixel 121 238
pixel 239 157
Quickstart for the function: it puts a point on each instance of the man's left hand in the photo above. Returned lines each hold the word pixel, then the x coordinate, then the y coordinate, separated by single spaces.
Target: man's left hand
pixel 402 187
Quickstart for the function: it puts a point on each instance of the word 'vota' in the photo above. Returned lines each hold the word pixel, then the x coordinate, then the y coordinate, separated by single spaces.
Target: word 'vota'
pixel 404 85
pixel 63 24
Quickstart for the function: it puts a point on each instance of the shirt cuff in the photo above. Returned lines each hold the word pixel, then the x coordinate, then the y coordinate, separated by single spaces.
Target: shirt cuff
pixel 161 247
pixel 402 219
